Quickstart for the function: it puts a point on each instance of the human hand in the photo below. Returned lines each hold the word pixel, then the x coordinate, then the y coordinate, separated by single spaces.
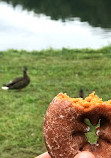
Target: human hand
pixel 44 155
pixel 83 154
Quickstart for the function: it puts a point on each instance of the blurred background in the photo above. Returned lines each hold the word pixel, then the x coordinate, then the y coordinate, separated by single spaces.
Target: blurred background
pixel 55 24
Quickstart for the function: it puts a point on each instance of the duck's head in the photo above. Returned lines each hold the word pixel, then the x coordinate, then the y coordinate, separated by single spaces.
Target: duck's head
pixel 25 69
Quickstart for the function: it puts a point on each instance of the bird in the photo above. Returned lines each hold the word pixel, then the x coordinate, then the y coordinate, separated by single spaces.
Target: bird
pixel 81 93
pixel 19 82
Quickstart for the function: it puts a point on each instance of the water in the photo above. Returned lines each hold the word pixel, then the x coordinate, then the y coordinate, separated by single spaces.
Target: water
pixel 23 29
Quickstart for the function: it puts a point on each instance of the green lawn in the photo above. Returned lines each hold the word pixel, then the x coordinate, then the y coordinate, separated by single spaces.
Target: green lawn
pixel 51 71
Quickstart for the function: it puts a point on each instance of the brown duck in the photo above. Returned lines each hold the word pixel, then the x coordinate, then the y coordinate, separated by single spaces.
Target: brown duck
pixel 81 93
pixel 19 82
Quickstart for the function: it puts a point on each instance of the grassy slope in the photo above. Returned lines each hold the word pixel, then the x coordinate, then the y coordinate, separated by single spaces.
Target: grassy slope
pixel 51 72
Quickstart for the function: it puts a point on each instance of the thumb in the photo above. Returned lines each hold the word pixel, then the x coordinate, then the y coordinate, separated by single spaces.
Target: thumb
pixel 85 154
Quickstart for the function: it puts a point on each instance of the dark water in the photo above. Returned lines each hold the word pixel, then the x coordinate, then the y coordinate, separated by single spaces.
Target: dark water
pixel 30 25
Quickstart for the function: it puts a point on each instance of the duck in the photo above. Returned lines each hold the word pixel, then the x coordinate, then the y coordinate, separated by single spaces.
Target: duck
pixel 19 82
pixel 81 93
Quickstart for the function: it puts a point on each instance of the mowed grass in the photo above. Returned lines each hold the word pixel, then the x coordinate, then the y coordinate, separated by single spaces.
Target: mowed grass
pixel 51 72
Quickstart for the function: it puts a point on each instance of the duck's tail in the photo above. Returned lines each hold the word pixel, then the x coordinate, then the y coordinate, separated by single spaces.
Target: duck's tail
pixel 5 88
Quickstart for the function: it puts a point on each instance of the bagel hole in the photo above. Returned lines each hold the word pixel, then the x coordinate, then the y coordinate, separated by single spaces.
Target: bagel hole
pixel 91 135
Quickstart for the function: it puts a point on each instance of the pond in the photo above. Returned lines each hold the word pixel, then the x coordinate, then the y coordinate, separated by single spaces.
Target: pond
pixel 41 26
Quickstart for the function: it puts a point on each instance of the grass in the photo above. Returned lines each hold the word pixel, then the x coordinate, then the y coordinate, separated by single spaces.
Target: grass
pixel 51 71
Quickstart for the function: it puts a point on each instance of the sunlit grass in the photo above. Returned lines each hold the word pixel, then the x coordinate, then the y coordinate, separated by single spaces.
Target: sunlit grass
pixel 51 72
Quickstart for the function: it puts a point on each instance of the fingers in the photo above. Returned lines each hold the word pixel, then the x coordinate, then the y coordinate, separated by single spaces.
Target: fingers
pixel 44 155
pixel 85 154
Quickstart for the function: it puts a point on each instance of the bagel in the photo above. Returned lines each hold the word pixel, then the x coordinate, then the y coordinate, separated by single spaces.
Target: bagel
pixel 64 127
